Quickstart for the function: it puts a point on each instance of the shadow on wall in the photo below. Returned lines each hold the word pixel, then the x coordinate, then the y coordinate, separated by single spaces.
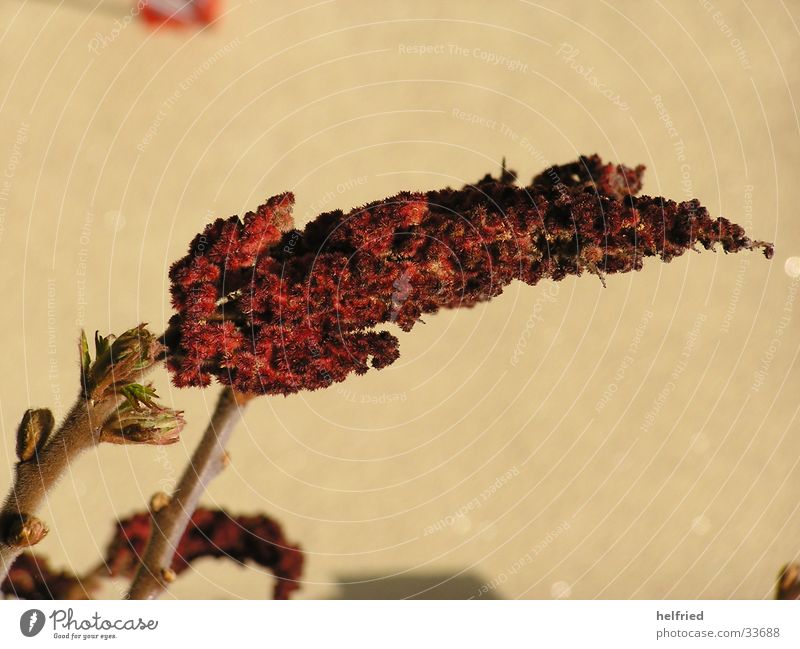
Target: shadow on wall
pixel 434 585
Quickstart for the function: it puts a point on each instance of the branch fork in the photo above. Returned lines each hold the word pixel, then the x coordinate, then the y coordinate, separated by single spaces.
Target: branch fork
pixel 112 406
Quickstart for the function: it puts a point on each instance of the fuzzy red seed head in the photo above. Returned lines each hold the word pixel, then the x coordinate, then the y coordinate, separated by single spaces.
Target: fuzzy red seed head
pixel 274 310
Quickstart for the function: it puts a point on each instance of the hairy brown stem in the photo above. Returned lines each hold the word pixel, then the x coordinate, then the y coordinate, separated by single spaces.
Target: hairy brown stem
pixel 36 476
pixel 172 516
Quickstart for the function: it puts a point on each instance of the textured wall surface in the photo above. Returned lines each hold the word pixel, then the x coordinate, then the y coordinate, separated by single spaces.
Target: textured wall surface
pixel 564 440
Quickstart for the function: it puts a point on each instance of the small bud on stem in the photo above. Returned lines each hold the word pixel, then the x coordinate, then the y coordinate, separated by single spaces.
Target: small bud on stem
pixel 159 501
pixel 33 432
pixel 143 422
pixel 25 531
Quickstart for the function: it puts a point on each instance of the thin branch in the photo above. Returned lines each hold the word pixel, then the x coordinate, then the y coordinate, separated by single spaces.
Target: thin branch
pixel 171 516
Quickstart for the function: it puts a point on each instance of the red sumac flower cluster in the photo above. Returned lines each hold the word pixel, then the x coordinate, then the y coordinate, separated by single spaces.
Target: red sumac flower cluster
pixel 270 309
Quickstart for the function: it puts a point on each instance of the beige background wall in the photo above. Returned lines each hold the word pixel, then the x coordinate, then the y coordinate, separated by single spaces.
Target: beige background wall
pixel 119 144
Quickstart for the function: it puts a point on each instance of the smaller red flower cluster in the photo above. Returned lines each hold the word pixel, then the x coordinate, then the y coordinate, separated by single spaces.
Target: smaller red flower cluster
pixel 31 577
pixel 213 533
pixel 273 310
